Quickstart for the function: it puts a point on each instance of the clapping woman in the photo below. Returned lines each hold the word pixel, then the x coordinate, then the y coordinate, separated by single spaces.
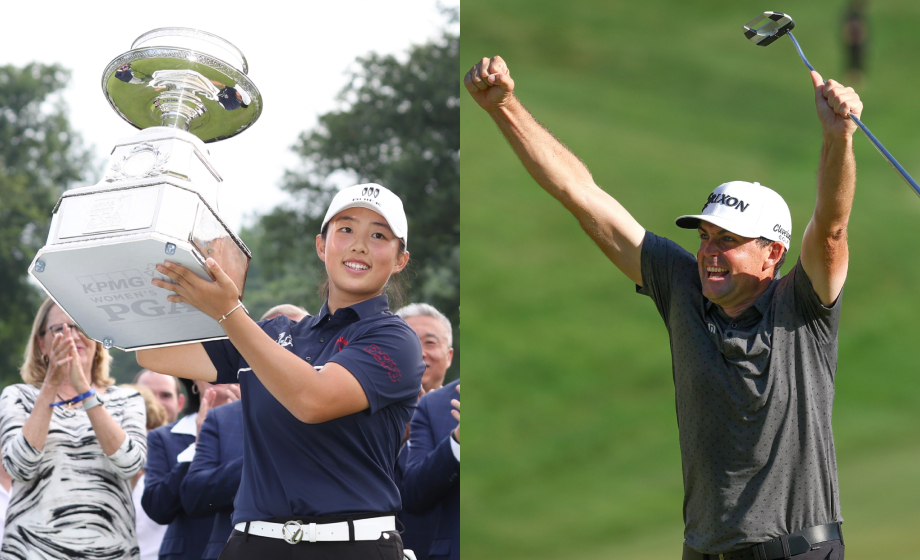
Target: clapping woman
pixel 71 442
pixel 326 399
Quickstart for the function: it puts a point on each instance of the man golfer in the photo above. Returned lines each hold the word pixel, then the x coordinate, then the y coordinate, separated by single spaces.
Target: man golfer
pixel 753 355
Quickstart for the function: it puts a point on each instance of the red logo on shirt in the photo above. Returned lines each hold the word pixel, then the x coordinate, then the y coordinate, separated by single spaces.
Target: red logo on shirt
pixel 384 360
pixel 341 343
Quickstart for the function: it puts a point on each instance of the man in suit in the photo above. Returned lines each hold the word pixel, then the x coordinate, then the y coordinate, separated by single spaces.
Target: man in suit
pixel 170 450
pixel 210 485
pixel 436 335
pixel 168 392
pixel 431 480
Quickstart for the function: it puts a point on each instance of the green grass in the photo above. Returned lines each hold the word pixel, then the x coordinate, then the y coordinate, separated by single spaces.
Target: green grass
pixel 569 400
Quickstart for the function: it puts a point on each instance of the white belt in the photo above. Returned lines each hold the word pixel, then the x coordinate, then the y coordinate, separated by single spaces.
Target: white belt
pixel 295 531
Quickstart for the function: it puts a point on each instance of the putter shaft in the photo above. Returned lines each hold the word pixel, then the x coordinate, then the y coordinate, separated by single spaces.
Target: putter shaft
pixel 878 145
pixel 885 154
pixel 801 54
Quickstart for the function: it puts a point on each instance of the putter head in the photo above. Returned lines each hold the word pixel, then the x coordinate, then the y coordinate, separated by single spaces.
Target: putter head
pixel 776 25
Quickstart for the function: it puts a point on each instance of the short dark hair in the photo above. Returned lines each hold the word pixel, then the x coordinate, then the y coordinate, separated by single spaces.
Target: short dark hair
pixel 764 242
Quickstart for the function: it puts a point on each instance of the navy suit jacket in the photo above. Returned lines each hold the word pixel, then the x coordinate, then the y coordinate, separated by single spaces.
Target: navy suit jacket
pixel 432 477
pixel 185 537
pixel 214 477
pixel 419 528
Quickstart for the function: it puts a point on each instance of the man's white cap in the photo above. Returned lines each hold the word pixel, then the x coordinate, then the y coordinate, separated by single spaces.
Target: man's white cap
pixel 373 197
pixel 243 95
pixel 746 209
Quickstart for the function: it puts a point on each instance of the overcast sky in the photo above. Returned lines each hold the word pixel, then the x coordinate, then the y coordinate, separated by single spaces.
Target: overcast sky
pixel 298 55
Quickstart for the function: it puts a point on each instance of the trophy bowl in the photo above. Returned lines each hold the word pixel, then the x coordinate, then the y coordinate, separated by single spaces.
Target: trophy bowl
pixel 183 78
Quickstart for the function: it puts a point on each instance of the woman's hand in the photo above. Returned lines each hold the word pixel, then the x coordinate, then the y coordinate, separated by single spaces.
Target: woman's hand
pixel 59 360
pixel 61 357
pixel 207 402
pixel 78 378
pixel 213 397
pixel 214 299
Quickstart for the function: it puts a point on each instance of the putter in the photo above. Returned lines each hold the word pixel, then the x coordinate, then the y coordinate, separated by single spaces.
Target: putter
pixel 770 26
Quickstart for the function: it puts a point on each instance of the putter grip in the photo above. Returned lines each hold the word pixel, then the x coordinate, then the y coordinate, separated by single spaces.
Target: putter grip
pixel 894 163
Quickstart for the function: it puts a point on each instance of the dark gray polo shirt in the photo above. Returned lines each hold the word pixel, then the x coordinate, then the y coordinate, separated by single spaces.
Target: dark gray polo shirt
pixel 754 397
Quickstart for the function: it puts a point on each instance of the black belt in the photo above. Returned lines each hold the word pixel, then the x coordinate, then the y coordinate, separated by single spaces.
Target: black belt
pixel 786 546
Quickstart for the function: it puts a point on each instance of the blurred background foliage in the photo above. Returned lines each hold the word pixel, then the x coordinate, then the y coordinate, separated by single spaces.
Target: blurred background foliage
pixel 573 448
pixel 398 125
pixel 40 156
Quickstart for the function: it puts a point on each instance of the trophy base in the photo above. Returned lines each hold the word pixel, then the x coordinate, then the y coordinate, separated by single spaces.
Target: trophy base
pixel 106 240
pixel 105 287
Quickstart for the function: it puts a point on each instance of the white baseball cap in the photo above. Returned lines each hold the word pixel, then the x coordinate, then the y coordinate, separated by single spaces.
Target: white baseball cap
pixel 746 209
pixel 243 95
pixel 373 197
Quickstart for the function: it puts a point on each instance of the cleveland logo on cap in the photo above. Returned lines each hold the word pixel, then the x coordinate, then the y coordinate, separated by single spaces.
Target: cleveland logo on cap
pixel 784 233
pixel 727 200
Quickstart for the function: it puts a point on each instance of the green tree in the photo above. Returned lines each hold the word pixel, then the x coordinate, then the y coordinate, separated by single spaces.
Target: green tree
pixel 40 156
pixel 399 126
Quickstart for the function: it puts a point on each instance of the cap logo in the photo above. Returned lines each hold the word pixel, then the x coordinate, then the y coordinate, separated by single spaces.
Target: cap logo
pixel 784 234
pixel 370 191
pixel 726 200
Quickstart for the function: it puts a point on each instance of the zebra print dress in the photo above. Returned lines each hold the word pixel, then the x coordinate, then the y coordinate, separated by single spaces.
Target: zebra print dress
pixel 70 500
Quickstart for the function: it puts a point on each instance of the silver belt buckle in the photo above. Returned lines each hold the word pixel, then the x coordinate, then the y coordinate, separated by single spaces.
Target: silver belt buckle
pixel 292 532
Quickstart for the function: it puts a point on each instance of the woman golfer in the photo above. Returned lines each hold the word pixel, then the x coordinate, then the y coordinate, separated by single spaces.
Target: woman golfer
pixel 325 400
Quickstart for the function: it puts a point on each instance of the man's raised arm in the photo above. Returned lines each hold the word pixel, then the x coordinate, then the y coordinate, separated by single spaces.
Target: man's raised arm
pixel 824 246
pixel 557 169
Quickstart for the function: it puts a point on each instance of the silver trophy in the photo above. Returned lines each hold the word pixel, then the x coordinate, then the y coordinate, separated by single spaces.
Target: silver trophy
pixel 158 200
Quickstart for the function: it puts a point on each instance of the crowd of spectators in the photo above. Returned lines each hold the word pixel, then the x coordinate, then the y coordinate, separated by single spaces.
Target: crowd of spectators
pixel 80 451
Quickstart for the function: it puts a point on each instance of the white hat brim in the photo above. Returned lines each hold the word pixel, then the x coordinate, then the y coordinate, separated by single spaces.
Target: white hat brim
pixel 245 96
pixel 693 222
pixel 369 206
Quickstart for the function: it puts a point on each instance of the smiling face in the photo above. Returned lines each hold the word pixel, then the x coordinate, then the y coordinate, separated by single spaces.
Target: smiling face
pixel 360 252
pixel 86 347
pixel 436 351
pixel 734 270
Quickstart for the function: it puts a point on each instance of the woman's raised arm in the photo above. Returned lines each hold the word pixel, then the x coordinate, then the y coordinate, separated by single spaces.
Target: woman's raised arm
pixel 185 360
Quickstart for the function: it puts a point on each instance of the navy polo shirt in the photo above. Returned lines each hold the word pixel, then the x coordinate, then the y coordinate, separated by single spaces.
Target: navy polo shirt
pixel 227 98
pixel 340 467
